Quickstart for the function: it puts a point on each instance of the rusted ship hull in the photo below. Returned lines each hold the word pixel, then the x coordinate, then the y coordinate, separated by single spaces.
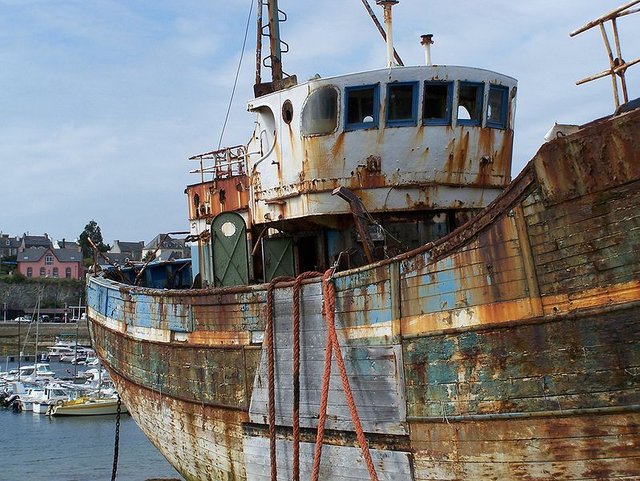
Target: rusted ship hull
pixel 509 349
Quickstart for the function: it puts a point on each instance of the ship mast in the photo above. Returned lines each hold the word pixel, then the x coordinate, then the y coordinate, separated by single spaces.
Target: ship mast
pixel 279 79
pixel 274 41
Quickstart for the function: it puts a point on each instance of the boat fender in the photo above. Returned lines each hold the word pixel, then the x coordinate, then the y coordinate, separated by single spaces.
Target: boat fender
pixel 59 402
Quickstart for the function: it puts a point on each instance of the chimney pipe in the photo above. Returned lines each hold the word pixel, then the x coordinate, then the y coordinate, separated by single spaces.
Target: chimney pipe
pixel 426 42
pixel 387 4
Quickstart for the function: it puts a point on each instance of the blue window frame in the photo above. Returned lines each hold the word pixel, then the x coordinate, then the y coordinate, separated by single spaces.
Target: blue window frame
pixel 438 97
pixel 470 95
pixel 402 104
pixel 497 107
pixel 361 110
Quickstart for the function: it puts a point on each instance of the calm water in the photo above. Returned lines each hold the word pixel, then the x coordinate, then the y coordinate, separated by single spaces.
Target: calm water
pixel 35 447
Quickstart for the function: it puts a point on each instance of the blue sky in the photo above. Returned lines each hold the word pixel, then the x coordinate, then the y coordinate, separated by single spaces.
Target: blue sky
pixel 102 101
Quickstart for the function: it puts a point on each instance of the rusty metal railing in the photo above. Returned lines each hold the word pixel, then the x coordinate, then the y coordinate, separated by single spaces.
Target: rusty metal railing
pixel 224 163
pixel 617 66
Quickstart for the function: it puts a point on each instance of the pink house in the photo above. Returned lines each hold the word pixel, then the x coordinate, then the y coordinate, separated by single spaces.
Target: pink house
pixel 52 263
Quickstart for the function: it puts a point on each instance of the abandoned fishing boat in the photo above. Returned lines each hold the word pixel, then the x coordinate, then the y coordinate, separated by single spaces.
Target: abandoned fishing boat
pixel 464 327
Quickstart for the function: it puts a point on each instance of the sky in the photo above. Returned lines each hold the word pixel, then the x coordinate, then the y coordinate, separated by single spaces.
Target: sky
pixel 103 101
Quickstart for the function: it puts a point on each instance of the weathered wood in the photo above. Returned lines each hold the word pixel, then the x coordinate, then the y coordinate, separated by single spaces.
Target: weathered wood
pixel 373 373
pixel 339 463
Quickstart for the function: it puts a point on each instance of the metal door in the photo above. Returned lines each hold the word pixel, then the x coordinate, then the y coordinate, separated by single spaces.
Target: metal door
pixel 230 253
pixel 278 257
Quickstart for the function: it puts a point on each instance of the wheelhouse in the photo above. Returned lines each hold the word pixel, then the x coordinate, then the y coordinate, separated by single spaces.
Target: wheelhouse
pixel 419 150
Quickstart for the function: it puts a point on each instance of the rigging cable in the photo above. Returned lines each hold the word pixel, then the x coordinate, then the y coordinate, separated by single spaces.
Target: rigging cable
pixel 235 82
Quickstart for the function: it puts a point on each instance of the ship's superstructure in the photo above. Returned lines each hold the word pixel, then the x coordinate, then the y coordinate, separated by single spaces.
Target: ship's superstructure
pixel 361 166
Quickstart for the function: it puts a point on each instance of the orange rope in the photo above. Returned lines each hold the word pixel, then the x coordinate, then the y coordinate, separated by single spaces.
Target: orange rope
pixel 328 290
pixel 269 335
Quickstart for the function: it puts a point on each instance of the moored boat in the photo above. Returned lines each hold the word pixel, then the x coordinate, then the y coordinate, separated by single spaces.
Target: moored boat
pixel 465 326
pixel 87 407
pixel 53 393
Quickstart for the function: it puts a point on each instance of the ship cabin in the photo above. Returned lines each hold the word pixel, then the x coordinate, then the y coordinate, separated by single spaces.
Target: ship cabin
pixel 350 170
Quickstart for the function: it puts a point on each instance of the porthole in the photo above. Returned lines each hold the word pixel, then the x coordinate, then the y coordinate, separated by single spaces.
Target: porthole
pixel 287 111
pixel 228 229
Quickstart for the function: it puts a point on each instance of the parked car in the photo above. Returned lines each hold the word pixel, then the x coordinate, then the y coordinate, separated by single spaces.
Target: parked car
pixel 22 319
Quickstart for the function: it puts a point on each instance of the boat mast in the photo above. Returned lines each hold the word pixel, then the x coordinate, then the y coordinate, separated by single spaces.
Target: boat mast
pixel 279 80
pixel 35 362
pixel 388 23
pixel 274 41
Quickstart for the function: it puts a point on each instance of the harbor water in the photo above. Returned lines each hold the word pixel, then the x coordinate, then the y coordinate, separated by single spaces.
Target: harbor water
pixel 36 447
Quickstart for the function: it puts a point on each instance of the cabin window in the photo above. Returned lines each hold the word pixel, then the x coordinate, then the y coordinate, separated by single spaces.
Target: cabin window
pixel 402 104
pixel 437 103
pixel 470 103
pixel 362 107
pixel 320 112
pixel 497 106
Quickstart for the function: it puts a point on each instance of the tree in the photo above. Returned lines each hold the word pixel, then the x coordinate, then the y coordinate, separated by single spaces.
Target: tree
pixel 92 231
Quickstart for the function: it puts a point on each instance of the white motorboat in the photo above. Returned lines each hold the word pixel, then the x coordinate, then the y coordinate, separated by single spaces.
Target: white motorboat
pixel 58 351
pixel 52 394
pixel 40 371
pixel 32 394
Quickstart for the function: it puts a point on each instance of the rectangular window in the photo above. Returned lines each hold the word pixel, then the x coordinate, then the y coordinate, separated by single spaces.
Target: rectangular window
pixel 362 107
pixel 470 103
pixel 55 272
pixel 48 260
pixel 42 272
pixel 437 103
pixel 402 101
pixel 497 106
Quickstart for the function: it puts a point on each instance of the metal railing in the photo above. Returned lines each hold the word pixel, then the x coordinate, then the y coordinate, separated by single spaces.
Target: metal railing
pixel 617 66
pixel 222 163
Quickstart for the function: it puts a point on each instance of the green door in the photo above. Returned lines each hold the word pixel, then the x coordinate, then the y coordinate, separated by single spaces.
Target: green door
pixel 278 257
pixel 229 244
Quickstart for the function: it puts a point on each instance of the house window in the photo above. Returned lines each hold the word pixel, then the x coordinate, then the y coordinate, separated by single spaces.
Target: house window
pixel 320 112
pixel 469 103
pixel 55 272
pixel 437 103
pixel 67 273
pixel 497 106
pixel 362 107
pixel 42 272
pixel 48 260
pixel 29 272
pixel 402 101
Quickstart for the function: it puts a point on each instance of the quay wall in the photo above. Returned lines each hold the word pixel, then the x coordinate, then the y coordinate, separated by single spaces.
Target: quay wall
pixel 47 332
pixel 19 296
